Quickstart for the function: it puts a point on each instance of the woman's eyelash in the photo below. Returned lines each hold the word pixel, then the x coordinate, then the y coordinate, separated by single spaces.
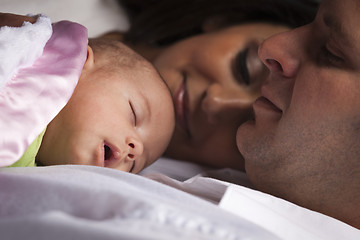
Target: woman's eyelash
pixel 329 58
pixel 240 68
pixel 133 112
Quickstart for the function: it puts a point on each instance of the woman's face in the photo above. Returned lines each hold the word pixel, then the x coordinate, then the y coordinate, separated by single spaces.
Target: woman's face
pixel 214 78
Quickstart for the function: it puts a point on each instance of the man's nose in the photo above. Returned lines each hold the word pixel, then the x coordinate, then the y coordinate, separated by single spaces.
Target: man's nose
pixel 280 53
pixel 222 102
pixel 134 147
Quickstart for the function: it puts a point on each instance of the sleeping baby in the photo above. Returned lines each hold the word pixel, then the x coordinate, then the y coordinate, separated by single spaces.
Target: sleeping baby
pixel 65 99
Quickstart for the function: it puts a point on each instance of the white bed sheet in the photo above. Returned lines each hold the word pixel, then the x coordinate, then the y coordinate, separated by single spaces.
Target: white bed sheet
pixel 232 191
pixel 86 202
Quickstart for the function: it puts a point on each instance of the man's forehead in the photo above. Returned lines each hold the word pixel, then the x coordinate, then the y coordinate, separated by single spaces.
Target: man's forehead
pixel 341 12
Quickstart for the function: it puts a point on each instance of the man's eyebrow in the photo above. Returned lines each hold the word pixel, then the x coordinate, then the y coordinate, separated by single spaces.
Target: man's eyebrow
pixel 338 29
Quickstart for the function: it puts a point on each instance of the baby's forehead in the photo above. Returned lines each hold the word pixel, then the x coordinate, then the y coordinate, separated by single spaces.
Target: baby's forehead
pixel 126 62
pixel 126 57
pixel 139 66
pixel 148 72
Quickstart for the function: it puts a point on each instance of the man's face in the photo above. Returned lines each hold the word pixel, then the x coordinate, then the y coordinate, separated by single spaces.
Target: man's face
pixel 307 122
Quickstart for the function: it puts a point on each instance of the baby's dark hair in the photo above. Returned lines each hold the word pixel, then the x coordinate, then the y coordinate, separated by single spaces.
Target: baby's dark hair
pixel 119 58
pixel 117 53
pixel 163 22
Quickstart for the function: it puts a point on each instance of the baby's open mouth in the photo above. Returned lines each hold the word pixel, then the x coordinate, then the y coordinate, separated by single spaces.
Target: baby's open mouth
pixel 107 153
pixel 111 155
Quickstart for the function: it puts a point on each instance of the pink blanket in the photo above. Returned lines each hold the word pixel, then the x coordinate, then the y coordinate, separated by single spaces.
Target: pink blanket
pixel 34 89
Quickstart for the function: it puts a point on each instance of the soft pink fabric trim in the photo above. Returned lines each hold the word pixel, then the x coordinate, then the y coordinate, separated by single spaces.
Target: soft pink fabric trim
pixel 31 99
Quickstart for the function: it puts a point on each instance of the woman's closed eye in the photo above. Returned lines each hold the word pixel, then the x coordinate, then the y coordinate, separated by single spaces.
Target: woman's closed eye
pixel 240 67
pixel 133 113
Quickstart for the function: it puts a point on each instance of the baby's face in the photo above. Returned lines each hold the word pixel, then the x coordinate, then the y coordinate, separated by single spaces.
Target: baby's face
pixel 122 121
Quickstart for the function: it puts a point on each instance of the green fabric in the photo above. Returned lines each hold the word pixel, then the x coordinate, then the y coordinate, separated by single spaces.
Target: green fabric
pixel 28 158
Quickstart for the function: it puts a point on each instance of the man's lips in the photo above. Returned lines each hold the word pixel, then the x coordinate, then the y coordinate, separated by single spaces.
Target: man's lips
pixel 269 100
pixel 181 100
pixel 264 103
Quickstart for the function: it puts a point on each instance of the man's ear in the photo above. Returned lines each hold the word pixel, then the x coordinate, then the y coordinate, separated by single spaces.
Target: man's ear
pixel 90 60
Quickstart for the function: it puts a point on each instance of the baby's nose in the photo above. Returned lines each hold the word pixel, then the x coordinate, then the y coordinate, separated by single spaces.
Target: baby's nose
pixel 135 148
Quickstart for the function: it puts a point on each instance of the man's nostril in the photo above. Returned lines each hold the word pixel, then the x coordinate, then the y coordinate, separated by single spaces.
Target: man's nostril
pixel 275 64
pixel 131 145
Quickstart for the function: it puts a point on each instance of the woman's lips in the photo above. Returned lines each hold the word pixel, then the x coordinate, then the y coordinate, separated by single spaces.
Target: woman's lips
pixel 181 100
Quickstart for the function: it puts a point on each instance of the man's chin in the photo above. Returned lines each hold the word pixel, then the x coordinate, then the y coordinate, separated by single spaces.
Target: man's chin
pixel 244 134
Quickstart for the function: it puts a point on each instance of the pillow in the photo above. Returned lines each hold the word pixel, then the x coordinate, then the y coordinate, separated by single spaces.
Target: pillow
pixel 40 67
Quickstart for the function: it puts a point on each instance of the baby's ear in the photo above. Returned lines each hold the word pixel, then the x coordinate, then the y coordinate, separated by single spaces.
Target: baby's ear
pixel 90 60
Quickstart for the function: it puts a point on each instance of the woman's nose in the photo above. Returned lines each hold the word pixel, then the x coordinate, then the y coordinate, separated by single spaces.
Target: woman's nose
pixel 221 102
pixel 134 147
pixel 279 53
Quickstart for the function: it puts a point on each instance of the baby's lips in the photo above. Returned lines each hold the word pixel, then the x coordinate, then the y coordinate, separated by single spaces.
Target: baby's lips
pixel 111 155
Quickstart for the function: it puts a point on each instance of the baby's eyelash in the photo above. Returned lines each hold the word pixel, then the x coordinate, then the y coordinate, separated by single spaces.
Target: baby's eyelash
pixel 133 112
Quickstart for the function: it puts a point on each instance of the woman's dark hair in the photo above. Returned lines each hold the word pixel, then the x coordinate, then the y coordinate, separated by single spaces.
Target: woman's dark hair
pixel 162 22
